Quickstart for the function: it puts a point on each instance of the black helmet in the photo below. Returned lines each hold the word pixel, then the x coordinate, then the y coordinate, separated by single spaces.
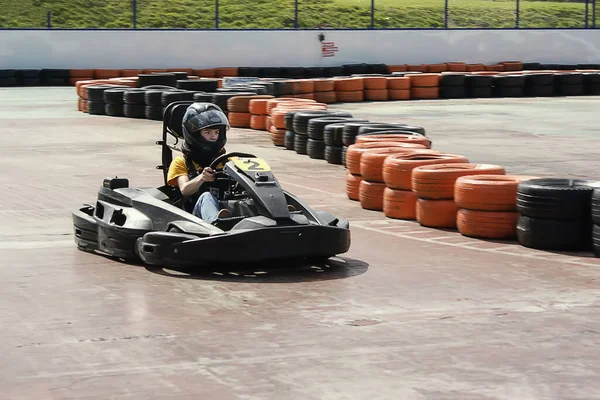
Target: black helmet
pixel 197 117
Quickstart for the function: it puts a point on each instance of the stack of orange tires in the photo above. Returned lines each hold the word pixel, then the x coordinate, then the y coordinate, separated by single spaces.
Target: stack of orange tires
pixel 239 110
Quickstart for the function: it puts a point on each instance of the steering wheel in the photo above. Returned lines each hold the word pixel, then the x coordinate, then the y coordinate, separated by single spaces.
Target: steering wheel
pixel 223 157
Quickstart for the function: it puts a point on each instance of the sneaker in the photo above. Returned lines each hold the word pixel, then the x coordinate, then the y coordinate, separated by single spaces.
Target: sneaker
pixel 224 213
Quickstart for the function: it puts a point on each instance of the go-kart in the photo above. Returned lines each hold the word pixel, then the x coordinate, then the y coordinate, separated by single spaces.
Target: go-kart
pixel 154 226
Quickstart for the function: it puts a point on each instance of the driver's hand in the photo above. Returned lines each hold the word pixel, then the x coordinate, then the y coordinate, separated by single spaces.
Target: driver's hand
pixel 208 174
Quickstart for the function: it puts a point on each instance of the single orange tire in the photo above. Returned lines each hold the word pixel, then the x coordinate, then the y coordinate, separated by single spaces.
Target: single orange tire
pixel 258 122
pixel 475 67
pixel 436 213
pixel 417 68
pixel 397 169
pixel 488 192
pixel 424 80
pixel 130 72
pixel 424 92
pixel 487 224
pixel 400 204
pixel 242 103
pixel 239 120
pixel 398 83
pixel 371 161
pixel 84 105
pixel 376 95
pixel 349 84
pixel 73 81
pixel 222 72
pixel 277 138
pixel 323 85
pixel 302 86
pixel 396 68
pixel 350 97
pixel 436 68
pixel 352 185
pixel 436 181
pixel 258 106
pixel 271 104
pixel 325 97
pixel 395 137
pixel 305 96
pixel 375 82
pixel 354 152
pixel 206 73
pixel 399 94
pixel 370 195
pixel 456 66
pixel 268 123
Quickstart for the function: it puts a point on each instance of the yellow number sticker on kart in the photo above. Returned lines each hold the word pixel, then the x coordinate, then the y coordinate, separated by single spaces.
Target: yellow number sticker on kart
pixel 251 164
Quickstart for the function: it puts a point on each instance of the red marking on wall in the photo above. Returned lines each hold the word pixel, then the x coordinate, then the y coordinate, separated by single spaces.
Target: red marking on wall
pixel 328 49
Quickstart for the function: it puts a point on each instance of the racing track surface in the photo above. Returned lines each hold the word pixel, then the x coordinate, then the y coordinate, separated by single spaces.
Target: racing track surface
pixel 408 313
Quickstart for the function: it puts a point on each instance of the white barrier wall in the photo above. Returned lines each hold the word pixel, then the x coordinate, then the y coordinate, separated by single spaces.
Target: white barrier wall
pixel 121 49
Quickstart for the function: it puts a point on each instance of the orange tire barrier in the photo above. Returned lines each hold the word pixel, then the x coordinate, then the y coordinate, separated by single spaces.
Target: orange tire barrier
pixel 457 66
pixel 81 73
pixel 206 73
pixel 375 82
pixel 475 67
pixel 258 106
pixel 436 213
pixel 395 137
pixel 488 192
pixel 424 92
pixel 151 70
pixel 370 195
pixel 325 97
pixel 258 122
pixel 324 85
pixel 349 84
pixel 495 67
pixel 417 68
pixel 371 161
pixel 303 86
pixel 350 97
pixel 239 120
pixel 376 95
pixel 424 80
pixel 226 71
pixel 398 83
pixel 400 204
pixel 106 73
pixel 73 81
pixel 397 169
pixel 268 123
pixel 307 96
pixel 242 103
pixel 355 151
pixel 487 224
pixel 271 104
pixel 437 181
pixel 352 185
pixel 131 72
pixel 436 68
pixel 188 71
pixel 396 68
pixel 399 94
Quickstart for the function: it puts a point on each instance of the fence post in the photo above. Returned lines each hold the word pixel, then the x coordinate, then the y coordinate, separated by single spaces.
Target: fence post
pixel 372 14
pixel 134 9
pixel 446 14
pixel 49 20
pixel 517 14
pixel 295 14
pixel 594 14
pixel 587 7
pixel 216 14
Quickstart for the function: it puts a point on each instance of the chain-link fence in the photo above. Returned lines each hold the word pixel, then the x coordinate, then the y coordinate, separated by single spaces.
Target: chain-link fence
pixel 297 14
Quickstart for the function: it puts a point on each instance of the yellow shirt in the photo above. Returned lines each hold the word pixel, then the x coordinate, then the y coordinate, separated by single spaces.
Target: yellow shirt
pixel 178 167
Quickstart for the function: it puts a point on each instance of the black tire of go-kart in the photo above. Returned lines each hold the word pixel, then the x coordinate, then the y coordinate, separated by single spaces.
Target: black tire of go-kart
pixel 288 140
pixel 540 91
pixel 114 110
pixel 596 240
pixel 135 97
pixel 316 126
pixel 8 82
pixel 157 79
pixel 595 205
pixel 154 113
pixel 315 149
pixel 556 198
pixel 198 85
pixel 134 110
pixel 114 96
pixel 548 234
pixel 301 118
pixel 202 97
pixel 569 90
pixel 300 143
pixel 333 154
pixel 391 127
pixel 96 108
pixel 344 151
pixel 452 92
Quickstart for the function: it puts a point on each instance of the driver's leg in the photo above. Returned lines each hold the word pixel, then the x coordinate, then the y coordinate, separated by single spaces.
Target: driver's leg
pixel 207 208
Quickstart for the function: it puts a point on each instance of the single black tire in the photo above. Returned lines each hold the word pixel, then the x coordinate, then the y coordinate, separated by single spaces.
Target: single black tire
pixel 452 80
pixel 316 126
pixel 202 97
pixel 135 97
pixel 593 89
pixel 539 79
pixel 289 120
pixel 154 112
pixel 332 135
pixel 96 92
pixel 301 118
pixel 153 97
pixel 511 91
pixel 333 154
pixel 198 85
pixel 506 81
pixel 180 95
pixel 568 78
pixel 548 234
pixel 344 151
pixel 300 143
pixel 114 110
pixel 569 90
pixel 596 240
pixel 480 92
pixel 479 81
pixel 351 130
pixel 96 108
pixel 8 82
pixel 596 206
pixel 389 127
pixel 288 140
pixel 556 198
pixel 541 91
pixel 114 96
pixel 134 110
pixel 162 79
pixel 315 149
pixel 452 92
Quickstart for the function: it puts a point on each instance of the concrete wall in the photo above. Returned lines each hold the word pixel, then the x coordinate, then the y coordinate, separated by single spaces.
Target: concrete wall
pixel 206 49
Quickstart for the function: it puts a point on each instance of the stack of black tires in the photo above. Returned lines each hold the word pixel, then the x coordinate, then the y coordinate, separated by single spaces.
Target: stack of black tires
pixel 556 214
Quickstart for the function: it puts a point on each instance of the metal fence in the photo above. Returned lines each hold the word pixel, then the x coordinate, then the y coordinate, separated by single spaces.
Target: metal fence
pixel 298 14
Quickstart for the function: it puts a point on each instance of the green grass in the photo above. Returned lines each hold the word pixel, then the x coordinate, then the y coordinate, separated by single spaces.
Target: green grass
pixel 280 14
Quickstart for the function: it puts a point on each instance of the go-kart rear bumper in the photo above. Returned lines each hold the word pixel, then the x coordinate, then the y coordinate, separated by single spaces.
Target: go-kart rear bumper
pixel 273 243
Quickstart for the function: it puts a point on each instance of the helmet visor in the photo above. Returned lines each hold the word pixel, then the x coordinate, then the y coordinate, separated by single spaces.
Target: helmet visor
pixel 206 119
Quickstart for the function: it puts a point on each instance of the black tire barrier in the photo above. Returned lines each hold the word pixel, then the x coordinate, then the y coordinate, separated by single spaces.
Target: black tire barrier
pixel 113 110
pixel 300 143
pixel 333 154
pixel 596 240
pixel 154 112
pixel 595 205
pixel 315 149
pixel 162 79
pixel 134 110
pixel 301 118
pixel 316 126
pixel 288 140
pixel 344 151
pixel 541 91
pixel 548 234
pixel 115 96
pixel 203 97
pixel 96 108
pixel 8 82
pixel 199 85
pixel 390 127
pixel 135 97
